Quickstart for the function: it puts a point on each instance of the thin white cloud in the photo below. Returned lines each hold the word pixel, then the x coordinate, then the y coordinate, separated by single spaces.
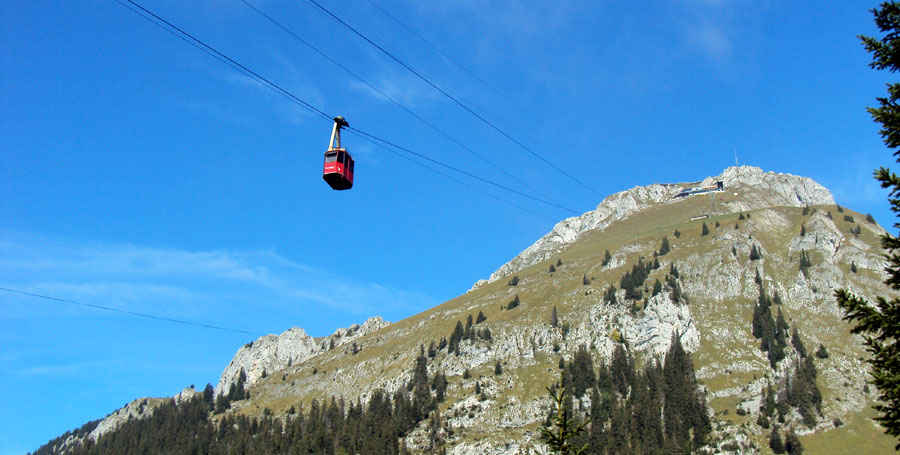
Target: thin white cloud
pixel 283 73
pixel 174 282
pixel 712 27
pixel 855 185
pixel 712 39
pixel 78 369
pixel 405 89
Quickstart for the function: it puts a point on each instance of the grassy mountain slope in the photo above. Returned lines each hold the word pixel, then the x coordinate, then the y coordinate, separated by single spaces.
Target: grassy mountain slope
pixel 718 283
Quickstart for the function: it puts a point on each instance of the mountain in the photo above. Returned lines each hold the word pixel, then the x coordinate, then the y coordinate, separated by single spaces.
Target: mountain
pixel 741 276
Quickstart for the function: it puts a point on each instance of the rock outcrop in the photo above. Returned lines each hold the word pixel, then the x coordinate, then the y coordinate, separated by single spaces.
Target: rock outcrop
pixel 271 353
pixel 759 189
pixel 137 409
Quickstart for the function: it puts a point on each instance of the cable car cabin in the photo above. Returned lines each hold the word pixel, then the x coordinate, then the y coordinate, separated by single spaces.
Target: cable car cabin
pixel 338 170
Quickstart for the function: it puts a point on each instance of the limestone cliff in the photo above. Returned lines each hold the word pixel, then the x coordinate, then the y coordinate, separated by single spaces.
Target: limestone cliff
pixel 271 353
pixel 760 189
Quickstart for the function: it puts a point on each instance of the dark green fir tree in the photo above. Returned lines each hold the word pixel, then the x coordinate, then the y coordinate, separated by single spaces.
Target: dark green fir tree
pixel 879 324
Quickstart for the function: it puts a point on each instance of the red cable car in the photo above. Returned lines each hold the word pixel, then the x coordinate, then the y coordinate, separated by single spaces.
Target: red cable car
pixel 338 171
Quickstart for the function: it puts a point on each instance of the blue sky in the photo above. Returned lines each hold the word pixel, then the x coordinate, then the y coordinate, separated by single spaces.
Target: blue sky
pixel 141 174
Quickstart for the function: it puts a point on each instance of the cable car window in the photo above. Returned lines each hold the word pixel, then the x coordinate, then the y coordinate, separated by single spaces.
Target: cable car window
pixel 351 166
pixel 330 157
pixel 341 156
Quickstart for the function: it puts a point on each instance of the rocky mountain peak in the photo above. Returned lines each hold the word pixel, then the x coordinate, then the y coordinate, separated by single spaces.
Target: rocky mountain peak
pixel 271 353
pixel 759 189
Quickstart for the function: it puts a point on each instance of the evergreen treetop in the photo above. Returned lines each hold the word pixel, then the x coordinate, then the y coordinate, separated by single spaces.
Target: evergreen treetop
pixel 879 324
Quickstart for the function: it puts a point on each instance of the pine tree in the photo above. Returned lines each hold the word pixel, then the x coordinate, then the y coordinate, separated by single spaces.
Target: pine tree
pixel 853 267
pixel 498 370
pixel 439 385
pixel 798 343
pixel 582 372
pixel 664 246
pixel 238 393
pixel 481 318
pixel 776 299
pixel 803 229
pixel 704 230
pixel 754 253
pixel 768 405
pixel 606 258
pixel 456 337
pixel 421 387
pixel 552 268
pixel 775 441
pixel 554 320
pixel 610 296
pixel 586 281
pixel 561 438
pixel 792 443
pixel 879 323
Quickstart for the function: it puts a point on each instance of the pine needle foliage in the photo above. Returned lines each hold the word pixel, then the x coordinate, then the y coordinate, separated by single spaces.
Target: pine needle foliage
pixel 879 324
pixel 564 430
